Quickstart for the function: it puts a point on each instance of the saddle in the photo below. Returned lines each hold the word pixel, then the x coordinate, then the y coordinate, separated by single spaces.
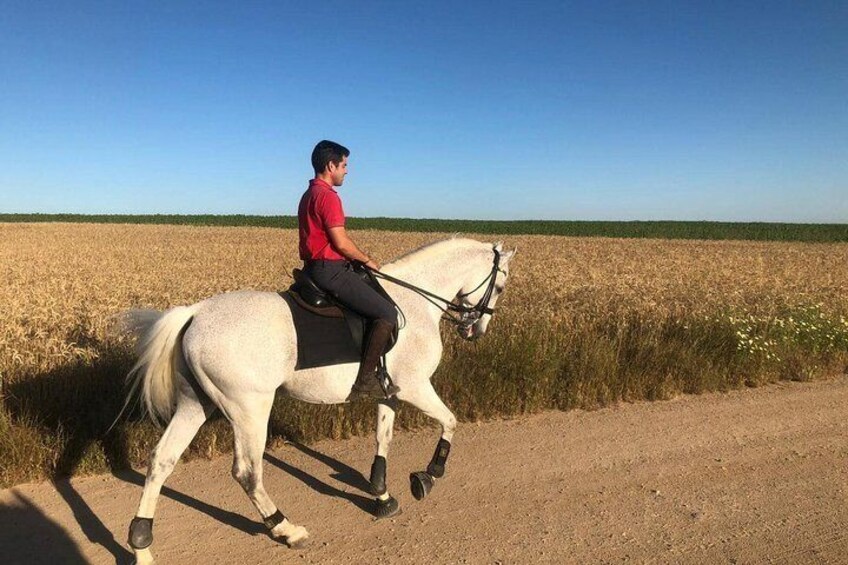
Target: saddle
pixel 328 332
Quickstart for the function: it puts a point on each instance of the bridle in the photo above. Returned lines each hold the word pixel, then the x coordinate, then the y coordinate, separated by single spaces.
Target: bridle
pixel 459 314
pixel 466 316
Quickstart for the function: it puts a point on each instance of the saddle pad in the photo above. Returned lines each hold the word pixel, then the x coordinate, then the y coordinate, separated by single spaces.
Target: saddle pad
pixel 321 340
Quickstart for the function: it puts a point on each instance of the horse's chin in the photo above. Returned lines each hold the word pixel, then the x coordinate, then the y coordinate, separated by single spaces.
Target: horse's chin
pixel 470 334
pixel 467 333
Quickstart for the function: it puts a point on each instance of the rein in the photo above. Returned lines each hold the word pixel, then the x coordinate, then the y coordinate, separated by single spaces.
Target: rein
pixel 468 315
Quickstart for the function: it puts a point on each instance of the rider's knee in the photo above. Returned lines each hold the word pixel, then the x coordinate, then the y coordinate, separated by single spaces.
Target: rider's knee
pixel 390 317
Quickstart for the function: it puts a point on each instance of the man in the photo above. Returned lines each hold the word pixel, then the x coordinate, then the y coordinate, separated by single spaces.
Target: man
pixel 327 252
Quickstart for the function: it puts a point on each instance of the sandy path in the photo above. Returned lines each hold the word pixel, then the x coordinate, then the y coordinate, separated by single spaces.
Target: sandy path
pixel 750 476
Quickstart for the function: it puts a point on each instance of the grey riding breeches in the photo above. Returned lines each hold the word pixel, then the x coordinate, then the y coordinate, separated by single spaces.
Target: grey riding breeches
pixel 339 280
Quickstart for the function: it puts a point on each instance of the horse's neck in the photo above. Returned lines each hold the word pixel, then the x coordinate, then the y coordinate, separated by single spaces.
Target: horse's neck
pixel 442 275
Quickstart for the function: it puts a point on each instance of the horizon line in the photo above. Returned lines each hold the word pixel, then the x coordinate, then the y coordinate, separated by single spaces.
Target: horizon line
pixel 408 218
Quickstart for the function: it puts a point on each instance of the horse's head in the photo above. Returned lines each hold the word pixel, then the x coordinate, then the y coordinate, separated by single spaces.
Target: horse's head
pixel 484 295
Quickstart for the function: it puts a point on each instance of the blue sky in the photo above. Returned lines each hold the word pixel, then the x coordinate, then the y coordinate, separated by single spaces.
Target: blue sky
pixel 481 110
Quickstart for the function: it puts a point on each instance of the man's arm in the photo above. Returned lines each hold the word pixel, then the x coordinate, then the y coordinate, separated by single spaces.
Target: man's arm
pixel 344 245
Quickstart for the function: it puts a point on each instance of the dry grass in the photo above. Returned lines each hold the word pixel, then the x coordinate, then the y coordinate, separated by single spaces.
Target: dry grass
pixel 584 322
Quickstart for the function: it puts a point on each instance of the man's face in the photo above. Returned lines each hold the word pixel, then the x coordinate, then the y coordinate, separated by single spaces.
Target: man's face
pixel 338 171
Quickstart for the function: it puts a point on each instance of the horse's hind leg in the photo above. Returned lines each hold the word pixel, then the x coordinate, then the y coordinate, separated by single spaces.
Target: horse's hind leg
pixel 429 402
pixel 250 427
pixel 188 417
pixel 387 506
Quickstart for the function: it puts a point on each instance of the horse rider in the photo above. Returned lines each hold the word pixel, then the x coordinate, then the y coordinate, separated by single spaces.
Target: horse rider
pixel 327 252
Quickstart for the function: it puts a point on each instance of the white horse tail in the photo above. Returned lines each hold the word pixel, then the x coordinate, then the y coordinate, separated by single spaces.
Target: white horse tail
pixel 160 358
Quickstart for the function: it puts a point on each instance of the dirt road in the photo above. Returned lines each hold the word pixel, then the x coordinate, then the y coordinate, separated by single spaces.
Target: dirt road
pixel 750 476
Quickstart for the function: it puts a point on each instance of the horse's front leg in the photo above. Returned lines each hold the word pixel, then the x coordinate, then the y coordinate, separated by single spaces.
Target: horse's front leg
pixel 386 506
pixel 429 402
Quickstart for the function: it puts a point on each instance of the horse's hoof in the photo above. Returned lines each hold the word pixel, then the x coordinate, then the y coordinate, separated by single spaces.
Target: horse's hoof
pixel 289 534
pixel 143 556
pixel 297 544
pixel 421 483
pixel 386 508
pixel 297 539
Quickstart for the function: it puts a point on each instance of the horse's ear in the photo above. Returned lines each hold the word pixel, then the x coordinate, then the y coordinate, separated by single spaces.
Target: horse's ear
pixel 498 246
pixel 505 257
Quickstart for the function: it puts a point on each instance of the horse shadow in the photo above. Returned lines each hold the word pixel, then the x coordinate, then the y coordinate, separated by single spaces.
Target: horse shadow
pixel 73 404
pixel 29 536
pixel 343 473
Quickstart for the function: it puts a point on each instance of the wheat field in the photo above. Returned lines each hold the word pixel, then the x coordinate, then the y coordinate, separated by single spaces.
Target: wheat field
pixel 584 322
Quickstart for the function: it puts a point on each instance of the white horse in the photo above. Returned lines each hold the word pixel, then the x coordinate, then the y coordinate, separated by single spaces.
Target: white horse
pixel 232 352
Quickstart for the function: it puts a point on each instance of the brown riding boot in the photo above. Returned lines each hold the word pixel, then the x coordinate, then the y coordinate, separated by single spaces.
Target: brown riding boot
pixel 372 378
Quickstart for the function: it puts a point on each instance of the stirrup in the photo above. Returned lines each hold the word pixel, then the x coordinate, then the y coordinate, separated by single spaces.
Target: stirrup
pixel 389 388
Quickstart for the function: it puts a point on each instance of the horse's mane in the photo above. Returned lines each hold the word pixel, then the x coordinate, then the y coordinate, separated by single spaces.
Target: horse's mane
pixel 431 248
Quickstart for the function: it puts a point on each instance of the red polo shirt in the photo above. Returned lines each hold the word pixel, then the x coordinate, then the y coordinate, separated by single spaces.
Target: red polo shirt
pixel 320 209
